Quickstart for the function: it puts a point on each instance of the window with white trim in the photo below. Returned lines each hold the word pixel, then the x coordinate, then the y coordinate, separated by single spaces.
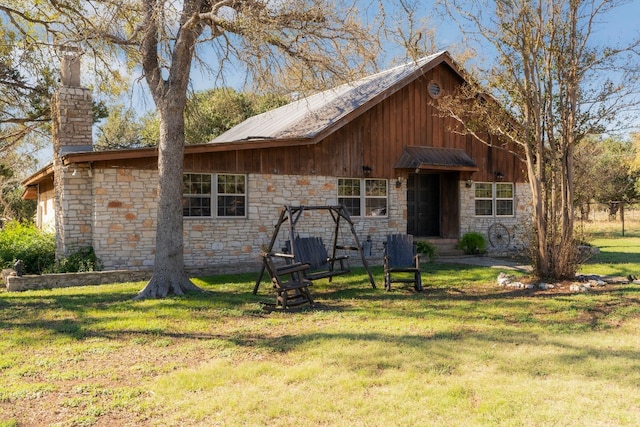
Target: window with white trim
pixel 504 199
pixel 363 195
pixel 199 199
pixel 493 198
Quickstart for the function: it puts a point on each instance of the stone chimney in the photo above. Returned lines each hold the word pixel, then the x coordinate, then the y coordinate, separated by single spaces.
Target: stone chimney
pixel 72 121
pixel 72 109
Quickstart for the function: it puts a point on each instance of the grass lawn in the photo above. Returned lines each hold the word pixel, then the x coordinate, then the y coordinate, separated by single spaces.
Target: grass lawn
pixel 464 352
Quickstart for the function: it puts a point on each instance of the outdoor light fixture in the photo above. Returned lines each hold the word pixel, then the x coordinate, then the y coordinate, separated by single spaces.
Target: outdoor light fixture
pixel 469 183
pixel 366 170
pixel 499 176
pixel 398 182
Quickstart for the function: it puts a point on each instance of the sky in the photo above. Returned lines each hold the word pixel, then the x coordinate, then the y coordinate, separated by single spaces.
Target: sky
pixel 618 26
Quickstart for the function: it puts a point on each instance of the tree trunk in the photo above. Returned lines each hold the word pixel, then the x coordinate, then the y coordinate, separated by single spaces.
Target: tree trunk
pixel 169 275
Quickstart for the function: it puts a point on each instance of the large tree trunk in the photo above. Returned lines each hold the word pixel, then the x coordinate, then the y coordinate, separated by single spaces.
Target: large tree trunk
pixel 169 275
pixel 170 96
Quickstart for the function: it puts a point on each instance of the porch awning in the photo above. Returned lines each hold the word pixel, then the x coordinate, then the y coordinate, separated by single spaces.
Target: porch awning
pixel 432 158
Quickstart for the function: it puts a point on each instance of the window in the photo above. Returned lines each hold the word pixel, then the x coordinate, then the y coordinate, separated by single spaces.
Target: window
pixel 230 195
pixel 493 197
pixel 196 190
pixel 363 195
pixel 349 195
pixel 504 199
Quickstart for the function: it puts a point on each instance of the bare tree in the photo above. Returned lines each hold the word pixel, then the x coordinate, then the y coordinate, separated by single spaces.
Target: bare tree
pixel 554 85
pixel 300 44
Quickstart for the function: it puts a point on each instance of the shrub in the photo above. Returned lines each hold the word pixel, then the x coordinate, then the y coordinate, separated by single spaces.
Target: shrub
pixel 82 260
pixel 473 243
pixel 428 249
pixel 35 248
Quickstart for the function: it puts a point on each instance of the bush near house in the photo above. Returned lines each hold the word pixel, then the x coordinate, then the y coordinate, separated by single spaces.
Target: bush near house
pixel 473 243
pixel 427 249
pixel 81 260
pixel 37 251
pixel 35 248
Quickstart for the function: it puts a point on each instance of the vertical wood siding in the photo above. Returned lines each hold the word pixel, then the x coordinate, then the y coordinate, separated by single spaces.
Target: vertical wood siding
pixel 375 138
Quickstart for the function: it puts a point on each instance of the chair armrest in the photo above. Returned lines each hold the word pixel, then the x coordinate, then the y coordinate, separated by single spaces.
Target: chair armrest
pixel 293 268
pixel 280 255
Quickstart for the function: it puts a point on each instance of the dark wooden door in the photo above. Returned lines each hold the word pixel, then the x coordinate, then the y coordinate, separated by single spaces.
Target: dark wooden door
pixel 423 205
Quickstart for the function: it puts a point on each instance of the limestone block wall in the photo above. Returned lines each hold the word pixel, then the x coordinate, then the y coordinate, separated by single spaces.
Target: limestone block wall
pixel 72 119
pixel 74 198
pixel 125 203
pixel 519 225
pixel 124 222
pixel 123 212
pixel 71 112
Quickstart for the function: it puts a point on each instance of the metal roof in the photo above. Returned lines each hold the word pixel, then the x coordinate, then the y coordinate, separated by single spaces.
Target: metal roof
pixel 435 158
pixel 307 117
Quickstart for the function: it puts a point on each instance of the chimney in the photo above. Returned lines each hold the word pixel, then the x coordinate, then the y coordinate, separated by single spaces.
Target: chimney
pixel 71 129
pixel 70 68
pixel 72 108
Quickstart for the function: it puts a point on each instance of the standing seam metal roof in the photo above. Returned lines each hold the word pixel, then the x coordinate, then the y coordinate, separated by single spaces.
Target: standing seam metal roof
pixel 309 116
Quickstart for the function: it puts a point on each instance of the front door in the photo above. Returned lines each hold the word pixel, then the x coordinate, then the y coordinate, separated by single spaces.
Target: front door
pixel 423 205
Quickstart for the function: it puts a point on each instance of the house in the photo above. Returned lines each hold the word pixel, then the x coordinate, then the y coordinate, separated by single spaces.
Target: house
pixel 376 145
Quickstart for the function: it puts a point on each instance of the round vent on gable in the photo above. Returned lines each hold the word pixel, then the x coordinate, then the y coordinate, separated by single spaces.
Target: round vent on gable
pixel 434 89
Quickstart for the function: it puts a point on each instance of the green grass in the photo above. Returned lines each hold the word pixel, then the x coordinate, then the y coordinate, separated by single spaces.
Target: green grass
pixel 618 256
pixel 464 352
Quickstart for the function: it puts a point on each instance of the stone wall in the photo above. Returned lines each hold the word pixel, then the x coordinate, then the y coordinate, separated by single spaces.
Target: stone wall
pixel 72 120
pixel 123 223
pixel 518 226
pixel 124 226
pixel 66 280
pixel 125 203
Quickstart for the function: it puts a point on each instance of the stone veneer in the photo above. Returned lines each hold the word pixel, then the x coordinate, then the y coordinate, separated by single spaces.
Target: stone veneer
pixel 72 120
pixel 519 225
pixel 125 216
pixel 124 208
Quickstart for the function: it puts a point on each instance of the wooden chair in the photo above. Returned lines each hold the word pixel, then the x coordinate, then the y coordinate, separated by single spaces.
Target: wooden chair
pixel 311 250
pixel 291 287
pixel 401 256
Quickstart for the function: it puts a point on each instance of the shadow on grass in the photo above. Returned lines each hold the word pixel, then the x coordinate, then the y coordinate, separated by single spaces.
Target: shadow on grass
pixel 83 312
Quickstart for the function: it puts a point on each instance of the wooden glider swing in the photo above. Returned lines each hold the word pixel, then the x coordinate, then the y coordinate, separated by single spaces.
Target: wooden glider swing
pixel 311 250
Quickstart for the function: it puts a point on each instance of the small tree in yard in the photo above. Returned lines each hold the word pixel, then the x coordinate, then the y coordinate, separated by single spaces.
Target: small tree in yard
pixel 554 86
pixel 297 41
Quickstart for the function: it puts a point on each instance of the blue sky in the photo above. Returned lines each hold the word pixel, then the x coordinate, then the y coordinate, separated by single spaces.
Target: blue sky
pixel 619 26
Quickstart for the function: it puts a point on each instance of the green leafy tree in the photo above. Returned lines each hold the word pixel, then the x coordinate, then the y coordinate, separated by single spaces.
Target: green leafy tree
pixel 121 129
pixel 210 113
pixel 604 173
pixel 555 84
pixel 207 114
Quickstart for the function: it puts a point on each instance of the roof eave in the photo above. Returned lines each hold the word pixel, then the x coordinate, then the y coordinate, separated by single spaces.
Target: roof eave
pixel 39 176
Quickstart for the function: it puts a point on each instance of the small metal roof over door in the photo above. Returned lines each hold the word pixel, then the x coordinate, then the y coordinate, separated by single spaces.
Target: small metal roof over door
pixel 432 158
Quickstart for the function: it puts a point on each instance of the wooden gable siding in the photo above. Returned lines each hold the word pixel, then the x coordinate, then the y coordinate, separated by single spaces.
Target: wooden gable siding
pixel 375 138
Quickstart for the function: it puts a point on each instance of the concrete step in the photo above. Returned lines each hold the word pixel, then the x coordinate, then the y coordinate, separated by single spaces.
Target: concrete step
pixel 446 247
